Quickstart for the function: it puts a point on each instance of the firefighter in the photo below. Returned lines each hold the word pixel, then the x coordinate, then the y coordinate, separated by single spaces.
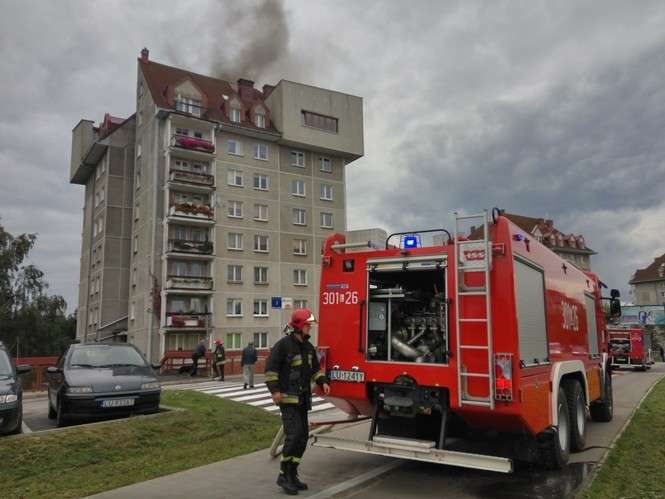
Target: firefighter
pixel 290 371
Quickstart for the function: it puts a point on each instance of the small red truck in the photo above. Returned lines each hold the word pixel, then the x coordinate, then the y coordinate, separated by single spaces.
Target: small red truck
pixel 629 346
pixel 491 331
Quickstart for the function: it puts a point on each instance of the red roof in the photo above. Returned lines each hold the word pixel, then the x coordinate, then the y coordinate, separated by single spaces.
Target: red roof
pixel 654 272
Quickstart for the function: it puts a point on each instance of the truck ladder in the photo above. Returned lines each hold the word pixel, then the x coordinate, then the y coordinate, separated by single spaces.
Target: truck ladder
pixel 473 256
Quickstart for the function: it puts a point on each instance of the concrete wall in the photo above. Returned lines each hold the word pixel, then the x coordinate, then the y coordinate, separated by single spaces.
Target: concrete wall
pixel 649 293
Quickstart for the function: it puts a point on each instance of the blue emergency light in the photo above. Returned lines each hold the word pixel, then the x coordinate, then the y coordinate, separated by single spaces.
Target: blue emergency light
pixel 411 242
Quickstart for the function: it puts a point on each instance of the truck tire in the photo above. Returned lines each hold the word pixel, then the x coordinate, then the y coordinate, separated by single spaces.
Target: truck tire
pixel 603 410
pixel 577 409
pixel 554 444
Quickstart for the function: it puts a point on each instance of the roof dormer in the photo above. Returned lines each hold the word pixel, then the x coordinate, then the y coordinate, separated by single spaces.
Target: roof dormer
pixel 188 98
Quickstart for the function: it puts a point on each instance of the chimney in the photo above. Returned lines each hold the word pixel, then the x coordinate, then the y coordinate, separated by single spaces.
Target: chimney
pixel 245 88
pixel 267 89
pixel 144 54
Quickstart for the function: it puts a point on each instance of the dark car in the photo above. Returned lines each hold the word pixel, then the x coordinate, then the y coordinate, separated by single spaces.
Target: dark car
pixel 11 393
pixel 101 379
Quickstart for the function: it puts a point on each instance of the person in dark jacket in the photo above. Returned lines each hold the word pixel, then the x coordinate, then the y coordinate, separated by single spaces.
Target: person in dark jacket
pixel 219 359
pixel 291 369
pixel 199 351
pixel 247 362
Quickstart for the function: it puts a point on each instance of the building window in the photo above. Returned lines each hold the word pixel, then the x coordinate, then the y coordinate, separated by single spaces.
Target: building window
pixel 300 247
pixel 234 307
pixel 298 158
pixel 261 182
pixel 261 151
pixel 260 243
pixel 235 115
pixel 234 273
pixel 132 311
pixel 260 308
pixel 136 211
pixel 234 147
pixel 139 118
pixel 234 209
pixel 298 188
pixel 261 212
pixel 188 105
pixel 234 178
pixel 261 340
pixel 299 303
pixel 299 216
pixel 134 277
pixel 300 277
pixel 233 341
pixel 138 150
pixel 234 241
pixel 315 120
pixel 326 220
pixel 261 275
pixel 260 120
pixel 137 181
pixel 326 192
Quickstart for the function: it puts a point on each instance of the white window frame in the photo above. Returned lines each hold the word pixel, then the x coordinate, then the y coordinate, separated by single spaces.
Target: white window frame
pixel 234 115
pixel 326 192
pixel 258 239
pixel 235 306
pixel 300 247
pixel 237 149
pixel 258 209
pixel 235 342
pixel 300 277
pixel 324 160
pixel 232 177
pixel 234 273
pixel 234 209
pixel 298 188
pixel 260 120
pixel 298 159
pixel 260 339
pixel 261 180
pixel 299 216
pixel 323 215
pixel 261 271
pixel 259 149
pixel 262 308
pixel 299 304
pixel 236 237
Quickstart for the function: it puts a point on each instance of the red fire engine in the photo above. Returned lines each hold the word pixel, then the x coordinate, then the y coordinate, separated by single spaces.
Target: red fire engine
pixel 492 331
pixel 630 346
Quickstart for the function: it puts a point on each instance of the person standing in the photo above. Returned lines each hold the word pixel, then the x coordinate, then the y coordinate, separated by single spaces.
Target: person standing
pixel 219 359
pixel 291 369
pixel 247 362
pixel 199 351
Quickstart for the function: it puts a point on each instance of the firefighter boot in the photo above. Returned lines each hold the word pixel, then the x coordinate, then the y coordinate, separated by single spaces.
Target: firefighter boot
pixel 285 480
pixel 294 474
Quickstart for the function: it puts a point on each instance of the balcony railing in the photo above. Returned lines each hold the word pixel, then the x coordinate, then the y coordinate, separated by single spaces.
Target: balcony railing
pixel 191 177
pixel 188 282
pixel 190 108
pixel 192 143
pixel 189 246
pixel 200 211
pixel 187 320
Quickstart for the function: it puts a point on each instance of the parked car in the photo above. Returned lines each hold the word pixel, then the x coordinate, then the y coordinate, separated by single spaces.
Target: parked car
pixel 11 393
pixel 101 379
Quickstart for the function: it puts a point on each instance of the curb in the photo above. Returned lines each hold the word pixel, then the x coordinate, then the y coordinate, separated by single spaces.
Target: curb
pixel 357 483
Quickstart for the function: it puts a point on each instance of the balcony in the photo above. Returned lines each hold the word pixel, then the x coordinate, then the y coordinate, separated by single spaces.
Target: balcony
pixel 189 246
pixel 193 212
pixel 191 109
pixel 188 177
pixel 189 282
pixel 181 320
pixel 185 142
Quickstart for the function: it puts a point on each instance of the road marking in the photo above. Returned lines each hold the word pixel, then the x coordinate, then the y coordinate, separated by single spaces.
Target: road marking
pixel 358 481
pixel 25 428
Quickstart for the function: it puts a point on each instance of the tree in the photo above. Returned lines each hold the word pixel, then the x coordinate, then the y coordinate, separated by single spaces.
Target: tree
pixel 30 319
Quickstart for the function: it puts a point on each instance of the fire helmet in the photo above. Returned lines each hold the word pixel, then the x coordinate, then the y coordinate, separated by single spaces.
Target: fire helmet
pixel 300 317
pixel 218 341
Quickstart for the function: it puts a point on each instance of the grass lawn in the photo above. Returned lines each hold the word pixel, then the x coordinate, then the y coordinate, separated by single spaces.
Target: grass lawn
pixel 85 460
pixel 635 467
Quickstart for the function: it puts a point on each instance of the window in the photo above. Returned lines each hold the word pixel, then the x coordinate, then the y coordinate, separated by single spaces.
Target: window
pixel 326 192
pixel 260 243
pixel 234 273
pixel 138 150
pixel 260 275
pixel 327 220
pixel 136 211
pixel 137 182
pixel 315 120
pixel 233 341
pixel 234 307
pixel 97 199
pixel 139 118
pixel 260 120
pixel 235 115
pixel 298 158
pixel 132 311
pixel 260 308
pixel 298 188
pixel 261 151
pixel 261 212
pixel 300 247
pixel 135 245
pixel 234 209
pixel 299 277
pixel 234 241
pixel 234 177
pixel 134 277
pixel 188 105
pixel 234 147
pixel 182 131
pixel 299 303
pixel 98 172
pixel 261 182
pixel 261 340
pixel 299 216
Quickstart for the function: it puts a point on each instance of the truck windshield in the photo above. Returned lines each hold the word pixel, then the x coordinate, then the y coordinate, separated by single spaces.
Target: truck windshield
pixel 5 365
pixel 106 356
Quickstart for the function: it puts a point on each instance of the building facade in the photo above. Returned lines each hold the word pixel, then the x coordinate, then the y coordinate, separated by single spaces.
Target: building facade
pixel 233 191
pixel 648 284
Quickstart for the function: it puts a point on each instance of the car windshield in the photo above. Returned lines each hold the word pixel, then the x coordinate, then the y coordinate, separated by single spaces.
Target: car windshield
pixel 106 356
pixel 5 364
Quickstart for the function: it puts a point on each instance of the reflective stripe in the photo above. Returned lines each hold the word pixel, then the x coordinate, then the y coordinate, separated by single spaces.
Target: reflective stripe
pixel 296 362
pixel 295 459
pixel 290 399
pixel 318 376
pixel 287 459
pixel 271 376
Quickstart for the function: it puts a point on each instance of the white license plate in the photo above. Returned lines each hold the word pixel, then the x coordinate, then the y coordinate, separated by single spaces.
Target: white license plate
pixel 118 403
pixel 353 376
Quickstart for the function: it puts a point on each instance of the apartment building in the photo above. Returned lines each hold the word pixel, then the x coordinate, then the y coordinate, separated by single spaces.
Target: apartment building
pixel 233 191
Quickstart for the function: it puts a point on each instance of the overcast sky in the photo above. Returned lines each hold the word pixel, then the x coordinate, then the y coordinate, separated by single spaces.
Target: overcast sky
pixel 547 109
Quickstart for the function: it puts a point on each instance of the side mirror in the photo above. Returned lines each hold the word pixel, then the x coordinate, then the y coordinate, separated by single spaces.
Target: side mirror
pixel 52 370
pixel 23 369
pixel 156 366
pixel 614 293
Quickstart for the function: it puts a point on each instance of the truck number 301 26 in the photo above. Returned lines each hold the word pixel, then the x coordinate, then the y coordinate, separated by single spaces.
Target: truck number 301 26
pixel 339 298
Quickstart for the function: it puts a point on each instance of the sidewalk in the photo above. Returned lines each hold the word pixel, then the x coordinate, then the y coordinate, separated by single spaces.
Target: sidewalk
pixel 253 476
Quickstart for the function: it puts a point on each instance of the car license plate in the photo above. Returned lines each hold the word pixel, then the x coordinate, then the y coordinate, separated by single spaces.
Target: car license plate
pixel 352 376
pixel 117 403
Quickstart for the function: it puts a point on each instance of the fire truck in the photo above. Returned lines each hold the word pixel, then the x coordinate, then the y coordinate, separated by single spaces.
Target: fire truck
pixel 629 346
pixel 487 331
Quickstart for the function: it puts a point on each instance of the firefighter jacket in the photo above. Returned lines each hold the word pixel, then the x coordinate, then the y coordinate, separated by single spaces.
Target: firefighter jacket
pixel 291 368
pixel 220 353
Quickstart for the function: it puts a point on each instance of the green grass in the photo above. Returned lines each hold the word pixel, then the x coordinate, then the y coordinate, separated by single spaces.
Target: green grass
pixel 635 467
pixel 85 460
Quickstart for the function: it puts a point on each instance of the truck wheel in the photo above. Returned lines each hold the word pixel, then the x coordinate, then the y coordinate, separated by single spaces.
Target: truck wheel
pixel 554 444
pixel 577 408
pixel 603 410
pixel 61 417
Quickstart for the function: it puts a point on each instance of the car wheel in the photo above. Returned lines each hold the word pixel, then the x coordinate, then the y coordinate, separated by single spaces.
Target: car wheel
pixel 51 411
pixel 577 409
pixel 61 417
pixel 19 424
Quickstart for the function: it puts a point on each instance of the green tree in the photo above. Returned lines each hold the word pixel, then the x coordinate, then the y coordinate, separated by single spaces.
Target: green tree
pixel 30 319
